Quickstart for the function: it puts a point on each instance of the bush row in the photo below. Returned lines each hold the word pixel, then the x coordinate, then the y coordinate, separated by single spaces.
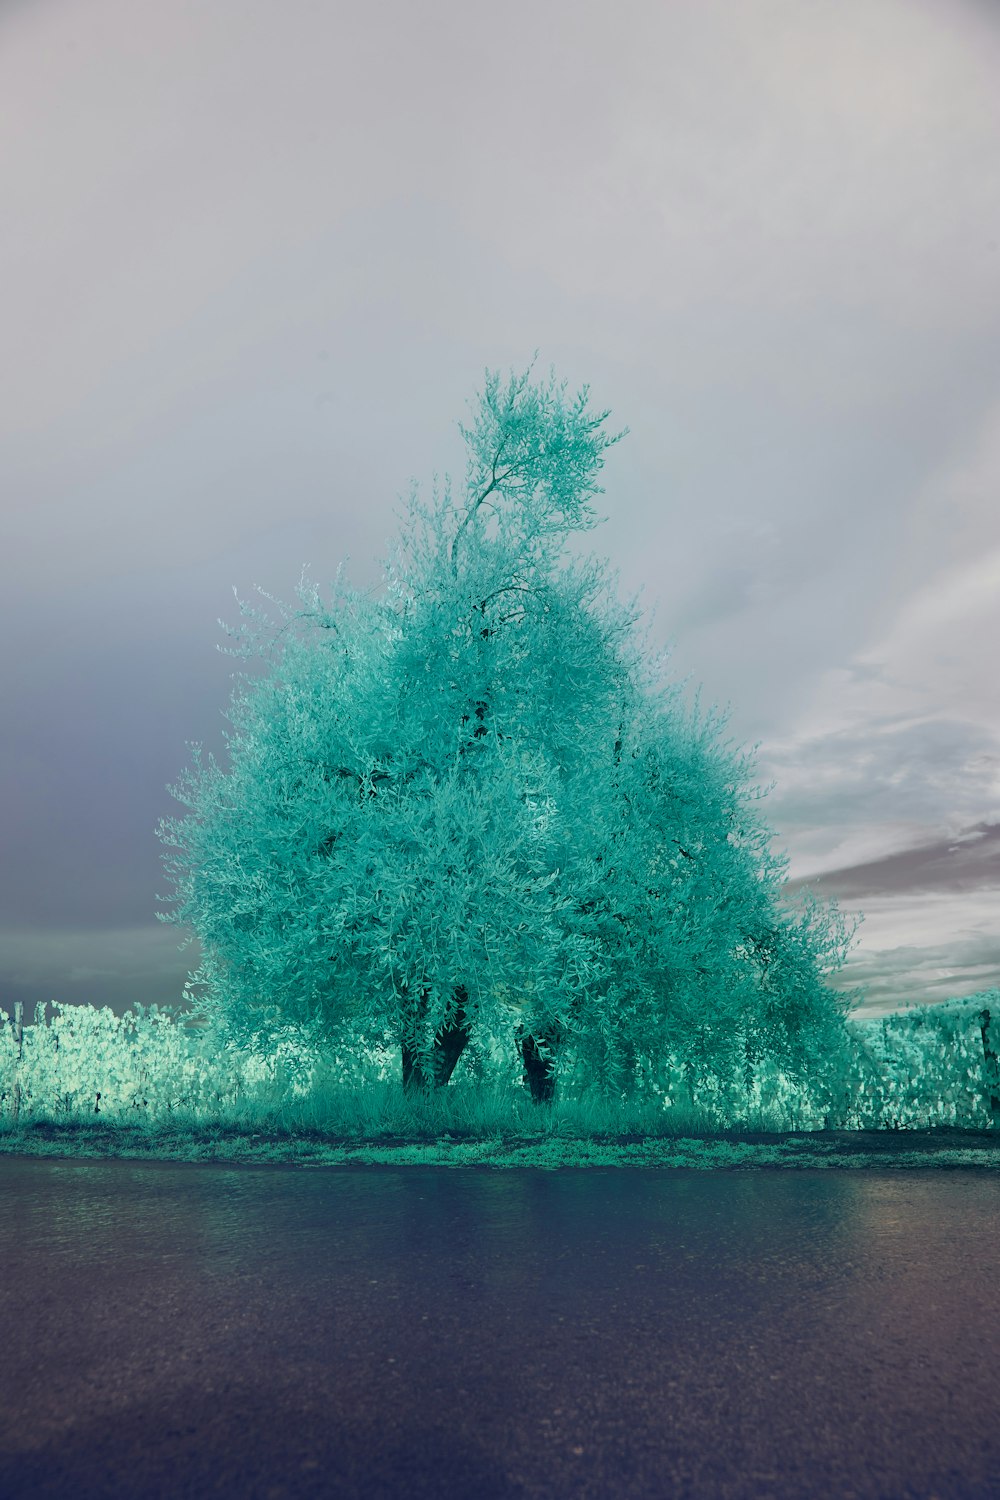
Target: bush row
pixel 924 1066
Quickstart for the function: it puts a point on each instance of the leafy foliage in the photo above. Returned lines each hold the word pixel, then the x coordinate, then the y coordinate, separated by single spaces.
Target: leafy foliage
pixel 926 1067
pixel 472 812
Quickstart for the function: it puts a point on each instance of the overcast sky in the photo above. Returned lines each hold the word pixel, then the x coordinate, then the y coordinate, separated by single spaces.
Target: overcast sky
pixel 254 260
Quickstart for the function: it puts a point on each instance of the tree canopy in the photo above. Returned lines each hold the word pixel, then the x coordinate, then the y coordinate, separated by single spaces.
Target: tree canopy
pixel 472 812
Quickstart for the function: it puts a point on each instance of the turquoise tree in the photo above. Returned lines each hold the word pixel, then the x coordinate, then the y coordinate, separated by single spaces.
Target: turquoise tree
pixel 471 814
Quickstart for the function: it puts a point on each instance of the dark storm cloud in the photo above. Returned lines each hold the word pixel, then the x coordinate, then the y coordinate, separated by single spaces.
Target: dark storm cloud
pixel 969 862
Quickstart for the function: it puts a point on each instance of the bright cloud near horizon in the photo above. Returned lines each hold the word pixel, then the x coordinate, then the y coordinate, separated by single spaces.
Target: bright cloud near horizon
pixel 255 260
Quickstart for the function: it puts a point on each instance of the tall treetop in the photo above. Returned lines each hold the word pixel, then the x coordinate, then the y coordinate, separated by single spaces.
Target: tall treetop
pixel 530 447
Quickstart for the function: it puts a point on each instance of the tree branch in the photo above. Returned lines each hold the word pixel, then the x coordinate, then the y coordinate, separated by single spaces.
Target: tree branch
pixel 493 484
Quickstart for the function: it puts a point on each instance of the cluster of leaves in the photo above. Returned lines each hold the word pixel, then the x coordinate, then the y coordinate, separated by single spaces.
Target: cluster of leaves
pixel 472 809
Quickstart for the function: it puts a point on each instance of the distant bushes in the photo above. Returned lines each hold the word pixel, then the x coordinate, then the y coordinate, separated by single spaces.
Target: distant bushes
pixel 929 1065
pixel 915 1069
pixel 90 1061
pixel 925 1066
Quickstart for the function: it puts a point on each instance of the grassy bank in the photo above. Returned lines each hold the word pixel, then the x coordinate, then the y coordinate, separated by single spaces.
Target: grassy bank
pixel 479 1125
pixel 917 1088
pixel 942 1147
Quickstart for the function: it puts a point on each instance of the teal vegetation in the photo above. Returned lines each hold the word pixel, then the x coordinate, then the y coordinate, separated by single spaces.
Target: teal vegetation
pixel 476 869
pixel 154 1084
pixel 473 815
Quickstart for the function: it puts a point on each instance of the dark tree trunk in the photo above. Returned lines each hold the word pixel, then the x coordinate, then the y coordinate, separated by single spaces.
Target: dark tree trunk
pixel 449 1044
pixel 539 1072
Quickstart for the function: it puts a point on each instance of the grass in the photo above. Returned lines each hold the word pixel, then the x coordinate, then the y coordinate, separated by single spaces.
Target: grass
pixel 489 1124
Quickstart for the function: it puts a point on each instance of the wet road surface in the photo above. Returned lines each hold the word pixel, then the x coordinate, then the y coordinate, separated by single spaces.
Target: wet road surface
pixel 185 1330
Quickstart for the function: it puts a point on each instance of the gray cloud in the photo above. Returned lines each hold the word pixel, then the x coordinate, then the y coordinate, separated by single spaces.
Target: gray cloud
pixel 254 262
pixel 890 775
pixel 115 967
pixel 893 978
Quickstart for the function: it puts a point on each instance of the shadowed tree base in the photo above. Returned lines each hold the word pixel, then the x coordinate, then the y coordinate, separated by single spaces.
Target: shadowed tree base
pixel 451 1041
pixel 449 1044
pixel 539 1072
